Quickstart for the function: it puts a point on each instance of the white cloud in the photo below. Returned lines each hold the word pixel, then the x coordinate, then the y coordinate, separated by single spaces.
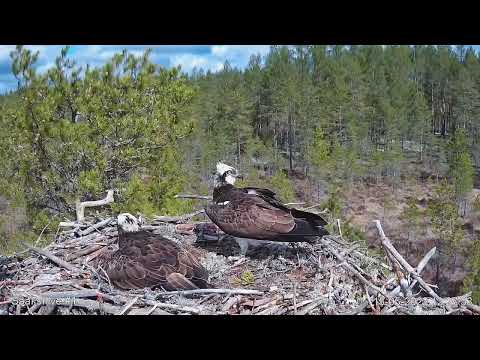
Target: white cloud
pixel 239 50
pixel 208 57
pixel 190 61
pixel 5 51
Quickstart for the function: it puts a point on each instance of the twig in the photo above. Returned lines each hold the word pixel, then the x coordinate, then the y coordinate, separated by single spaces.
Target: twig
pixel 152 309
pixel 129 305
pixel 351 268
pixel 294 203
pixel 339 228
pixel 80 206
pixel 67 224
pixel 75 294
pixel 473 307
pixel 314 206
pixel 386 242
pixel 295 298
pixel 186 196
pixel 369 300
pixel 177 219
pixel 51 257
pixel 187 309
pixel 41 233
pixel 421 265
pixel 95 227
pixel 213 291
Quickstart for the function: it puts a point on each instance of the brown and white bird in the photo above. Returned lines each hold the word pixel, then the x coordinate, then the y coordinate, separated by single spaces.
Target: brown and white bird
pixel 146 260
pixel 255 213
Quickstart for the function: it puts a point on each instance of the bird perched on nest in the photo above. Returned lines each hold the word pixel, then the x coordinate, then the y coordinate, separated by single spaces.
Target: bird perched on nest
pixel 145 260
pixel 255 213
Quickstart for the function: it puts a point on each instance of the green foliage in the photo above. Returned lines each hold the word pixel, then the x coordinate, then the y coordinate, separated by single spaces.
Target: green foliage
pixel 85 134
pixel 281 184
pixel 444 216
pixel 472 281
pixel 247 278
pixel 461 169
pixel 412 215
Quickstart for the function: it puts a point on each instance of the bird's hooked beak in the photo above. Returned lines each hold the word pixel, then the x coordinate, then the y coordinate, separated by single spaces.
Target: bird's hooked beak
pixel 239 176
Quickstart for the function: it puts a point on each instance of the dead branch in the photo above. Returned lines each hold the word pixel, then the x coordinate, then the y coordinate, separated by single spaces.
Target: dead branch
pixel 387 244
pixel 128 306
pixel 346 265
pixel 186 309
pixel 95 227
pixel 214 291
pixel 339 229
pixel 178 219
pixel 80 206
pixel 52 257
pixel 200 197
pixel 421 265
pixel 473 307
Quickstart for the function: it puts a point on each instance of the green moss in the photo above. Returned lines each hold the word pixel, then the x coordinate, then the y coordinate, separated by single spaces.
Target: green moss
pixel 246 278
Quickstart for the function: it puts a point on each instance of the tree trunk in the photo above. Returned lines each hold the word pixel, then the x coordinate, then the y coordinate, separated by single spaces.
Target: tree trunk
pixel 290 145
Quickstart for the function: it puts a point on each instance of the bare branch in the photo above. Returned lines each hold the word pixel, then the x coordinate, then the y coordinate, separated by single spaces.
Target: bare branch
pixel 386 242
pixel 186 196
pixel 52 257
pixel 80 206
pixel 214 291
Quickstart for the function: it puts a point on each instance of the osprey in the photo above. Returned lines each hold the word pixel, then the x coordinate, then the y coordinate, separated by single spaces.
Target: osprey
pixel 147 260
pixel 255 213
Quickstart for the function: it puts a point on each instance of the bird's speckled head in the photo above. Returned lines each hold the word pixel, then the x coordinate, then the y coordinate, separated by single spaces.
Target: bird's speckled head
pixel 225 174
pixel 128 223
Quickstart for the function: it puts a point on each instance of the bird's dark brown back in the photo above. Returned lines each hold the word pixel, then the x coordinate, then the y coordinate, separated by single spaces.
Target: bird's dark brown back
pixel 148 260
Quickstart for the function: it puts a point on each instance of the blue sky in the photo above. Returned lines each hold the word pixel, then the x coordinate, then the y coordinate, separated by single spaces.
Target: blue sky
pixel 209 57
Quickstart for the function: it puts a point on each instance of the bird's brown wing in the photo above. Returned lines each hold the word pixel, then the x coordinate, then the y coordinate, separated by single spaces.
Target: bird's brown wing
pixel 145 260
pixel 251 217
pixel 142 262
pixel 269 196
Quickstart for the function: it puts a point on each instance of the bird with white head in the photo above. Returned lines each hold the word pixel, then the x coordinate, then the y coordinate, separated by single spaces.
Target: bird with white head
pixel 225 174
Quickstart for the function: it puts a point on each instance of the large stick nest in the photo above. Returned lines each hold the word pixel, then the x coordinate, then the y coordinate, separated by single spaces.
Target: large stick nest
pixel 333 276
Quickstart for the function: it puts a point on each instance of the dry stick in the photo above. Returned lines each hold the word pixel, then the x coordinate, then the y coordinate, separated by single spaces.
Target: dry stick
pixel 474 308
pixel 186 196
pixel 294 203
pixel 386 243
pixel 421 265
pixel 339 229
pixel 40 236
pixel 187 309
pixel 67 224
pixel 400 276
pixel 93 305
pixel 213 291
pixel 295 298
pixel 314 206
pixel 51 257
pixel 95 227
pixel 80 206
pixel 79 294
pixel 128 306
pixel 176 219
pixel 346 265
